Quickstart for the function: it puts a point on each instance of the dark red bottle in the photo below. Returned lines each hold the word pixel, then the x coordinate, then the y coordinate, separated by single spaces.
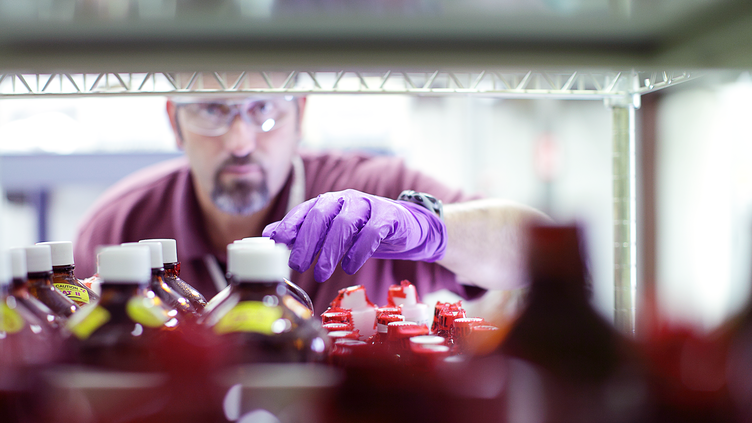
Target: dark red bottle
pixel 575 357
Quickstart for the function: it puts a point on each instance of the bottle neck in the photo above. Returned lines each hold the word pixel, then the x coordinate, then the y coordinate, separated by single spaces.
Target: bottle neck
pixel 64 274
pixel 40 278
pixel 558 288
pixel 119 293
pixel 252 289
pixel 17 284
pixel 66 269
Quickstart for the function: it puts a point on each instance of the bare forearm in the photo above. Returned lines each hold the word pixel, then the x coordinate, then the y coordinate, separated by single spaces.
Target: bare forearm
pixel 486 242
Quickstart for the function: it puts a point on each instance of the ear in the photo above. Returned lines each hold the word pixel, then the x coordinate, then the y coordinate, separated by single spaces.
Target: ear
pixel 172 111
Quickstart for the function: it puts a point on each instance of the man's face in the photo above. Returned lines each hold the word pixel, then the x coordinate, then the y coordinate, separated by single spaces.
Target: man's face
pixel 240 149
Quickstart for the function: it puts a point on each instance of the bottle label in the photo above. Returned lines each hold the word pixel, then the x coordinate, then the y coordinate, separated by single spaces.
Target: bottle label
pixel 86 320
pixel 249 316
pixel 10 320
pixel 146 311
pixel 75 293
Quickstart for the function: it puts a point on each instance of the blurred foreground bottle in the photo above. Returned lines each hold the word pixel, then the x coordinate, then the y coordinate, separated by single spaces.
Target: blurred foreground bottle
pixel 62 273
pixel 171 298
pixel 172 274
pixel 25 339
pixel 20 290
pixel 571 364
pixel 28 345
pixel 39 267
pixel 119 332
pixel 258 321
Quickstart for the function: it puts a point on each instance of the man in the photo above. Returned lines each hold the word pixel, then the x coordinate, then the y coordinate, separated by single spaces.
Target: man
pixel 244 174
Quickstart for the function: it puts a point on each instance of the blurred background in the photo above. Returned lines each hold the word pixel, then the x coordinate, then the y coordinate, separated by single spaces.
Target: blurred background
pixel 58 155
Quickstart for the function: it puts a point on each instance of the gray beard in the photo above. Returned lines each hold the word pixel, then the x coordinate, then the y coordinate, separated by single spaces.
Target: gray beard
pixel 240 198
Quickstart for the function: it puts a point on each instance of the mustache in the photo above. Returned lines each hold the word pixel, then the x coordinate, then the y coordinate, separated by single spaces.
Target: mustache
pixel 238 161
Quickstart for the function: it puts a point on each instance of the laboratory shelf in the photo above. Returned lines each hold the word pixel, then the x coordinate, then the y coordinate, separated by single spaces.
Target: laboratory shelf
pixel 588 84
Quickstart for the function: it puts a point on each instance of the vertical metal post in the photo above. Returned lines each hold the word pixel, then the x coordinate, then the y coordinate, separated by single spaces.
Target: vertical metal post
pixel 625 251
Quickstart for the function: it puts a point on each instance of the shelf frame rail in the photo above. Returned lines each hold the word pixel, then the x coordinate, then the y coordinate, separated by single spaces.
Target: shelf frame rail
pixel 566 84
pixel 624 178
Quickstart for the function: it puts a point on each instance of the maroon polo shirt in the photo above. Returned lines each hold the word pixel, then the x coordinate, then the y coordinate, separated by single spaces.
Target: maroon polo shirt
pixel 160 202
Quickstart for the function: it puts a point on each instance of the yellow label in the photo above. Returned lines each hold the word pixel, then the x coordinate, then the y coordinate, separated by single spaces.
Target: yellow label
pixel 147 312
pixel 10 320
pixel 86 320
pixel 75 293
pixel 249 316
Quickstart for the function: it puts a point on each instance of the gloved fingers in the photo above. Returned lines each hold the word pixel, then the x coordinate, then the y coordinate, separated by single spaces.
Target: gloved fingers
pixel 286 230
pixel 342 232
pixel 313 231
pixel 366 242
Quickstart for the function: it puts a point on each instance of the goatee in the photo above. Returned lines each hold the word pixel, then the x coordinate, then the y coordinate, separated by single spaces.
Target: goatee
pixel 239 197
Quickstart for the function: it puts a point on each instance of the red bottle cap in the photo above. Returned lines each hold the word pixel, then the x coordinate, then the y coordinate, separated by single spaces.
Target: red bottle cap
pixel 333 327
pixel 343 334
pixel 383 321
pixel 422 341
pixel 463 325
pixel 388 310
pixel 336 316
pixel 483 339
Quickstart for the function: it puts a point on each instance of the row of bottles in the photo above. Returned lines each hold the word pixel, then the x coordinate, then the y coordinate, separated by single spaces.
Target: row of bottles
pixel 559 360
pixel 140 322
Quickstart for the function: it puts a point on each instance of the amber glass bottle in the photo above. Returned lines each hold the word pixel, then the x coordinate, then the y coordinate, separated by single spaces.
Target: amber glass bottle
pixel 120 330
pixel 19 288
pixel 258 321
pixel 221 295
pixel 62 273
pixel 172 274
pixel 169 296
pixel 39 267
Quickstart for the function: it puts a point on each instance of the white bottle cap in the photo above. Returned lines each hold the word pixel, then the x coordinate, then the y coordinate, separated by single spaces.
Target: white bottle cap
pixel 155 252
pixel 62 252
pixel 125 264
pixel 169 248
pixel 38 258
pixel 258 262
pixel 418 313
pixel 18 263
pixel 355 298
pixel 256 240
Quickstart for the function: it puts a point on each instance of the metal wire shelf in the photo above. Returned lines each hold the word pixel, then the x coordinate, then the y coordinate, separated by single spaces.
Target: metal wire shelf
pixel 589 84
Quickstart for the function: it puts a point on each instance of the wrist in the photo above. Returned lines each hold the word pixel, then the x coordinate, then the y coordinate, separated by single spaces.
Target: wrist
pixel 422 199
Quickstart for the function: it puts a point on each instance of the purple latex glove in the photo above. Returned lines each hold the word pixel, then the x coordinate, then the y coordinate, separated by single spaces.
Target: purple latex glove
pixel 351 226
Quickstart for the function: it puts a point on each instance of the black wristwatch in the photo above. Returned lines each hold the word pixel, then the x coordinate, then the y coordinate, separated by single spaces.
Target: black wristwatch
pixel 422 199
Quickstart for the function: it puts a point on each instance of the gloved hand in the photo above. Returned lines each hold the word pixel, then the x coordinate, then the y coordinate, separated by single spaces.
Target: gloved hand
pixel 351 226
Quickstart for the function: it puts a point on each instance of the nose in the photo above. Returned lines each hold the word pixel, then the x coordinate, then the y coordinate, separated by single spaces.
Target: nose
pixel 240 139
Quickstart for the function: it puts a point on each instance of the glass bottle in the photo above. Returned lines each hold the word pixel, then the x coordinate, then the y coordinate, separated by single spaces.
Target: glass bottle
pixel 120 331
pixel 62 273
pixel 171 298
pixel 255 320
pixel 20 290
pixel 26 341
pixel 39 267
pixel 172 273
pixel 221 295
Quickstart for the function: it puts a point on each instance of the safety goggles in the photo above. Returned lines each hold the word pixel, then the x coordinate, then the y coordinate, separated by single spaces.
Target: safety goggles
pixel 213 118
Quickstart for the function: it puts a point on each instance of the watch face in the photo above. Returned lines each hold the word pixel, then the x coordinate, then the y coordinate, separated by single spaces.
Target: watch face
pixel 426 200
